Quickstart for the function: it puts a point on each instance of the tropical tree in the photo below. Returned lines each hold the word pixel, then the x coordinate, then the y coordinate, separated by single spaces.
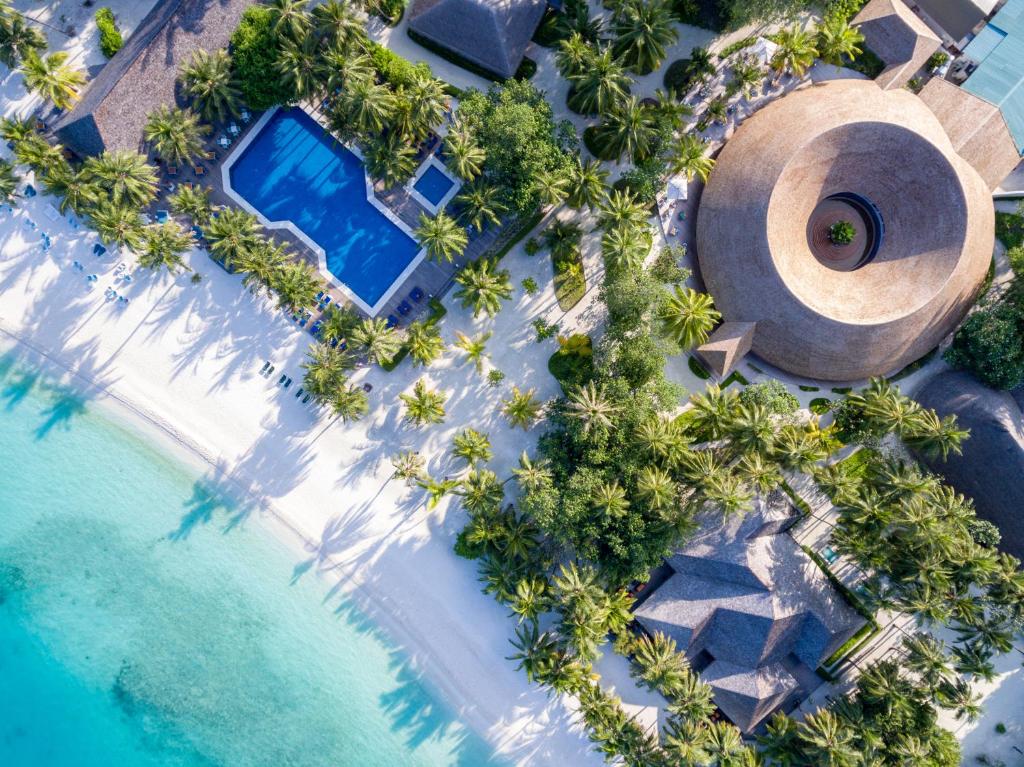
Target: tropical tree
pixel 300 66
pixel 429 101
pixel 18 39
pixel 377 339
pixel 464 155
pixel 38 154
pixel 659 665
pixel 125 176
pixel 535 652
pixel 424 342
pixel 231 234
pixel 337 323
pixel 424 406
pixel 345 68
pixel 436 490
pixel 609 498
pixel 625 248
pixel 164 245
pixel 52 78
pixel 208 81
pixel 531 598
pixel 289 18
pixel 745 75
pixel 73 189
pixel 295 284
pixel 622 210
pixel 175 134
pixel 643 30
pixel 118 223
pixel 481 491
pixel 573 54
pixel 350 403
pixel 409 466
pixel 656 486
pixel 193 201
pixel 628 128
pixel 483 288
pixel 796 51
pixel 441 235
pixel 474 347
pixel 15 130
pixel 261 261
pixel 9 182
pixel 587 184
pixel 600 85
pixel 325 368
pixel 337 25
pixel 479 204
pixel 590 406
pixel 521 408
pixel 689 157
pixel 935 436
pixel 837 40
pixel 366 107
pixel 389 159
pixel 687 316
pixel 550 187
pixel 472 446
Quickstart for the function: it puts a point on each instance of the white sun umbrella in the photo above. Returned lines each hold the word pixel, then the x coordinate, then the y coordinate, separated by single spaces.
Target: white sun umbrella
pixel 763 50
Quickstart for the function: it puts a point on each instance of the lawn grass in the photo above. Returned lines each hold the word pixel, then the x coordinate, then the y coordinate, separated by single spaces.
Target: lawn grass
pixel 569 286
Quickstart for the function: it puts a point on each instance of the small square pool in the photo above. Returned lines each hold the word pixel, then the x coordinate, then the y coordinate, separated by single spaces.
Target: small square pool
pixel 433 185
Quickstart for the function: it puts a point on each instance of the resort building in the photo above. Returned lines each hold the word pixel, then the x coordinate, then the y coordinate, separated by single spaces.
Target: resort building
pixel 958 19
pixel 921 215
pixel 489 34
pixel 898 37
pixel 753 613
pixel 142 76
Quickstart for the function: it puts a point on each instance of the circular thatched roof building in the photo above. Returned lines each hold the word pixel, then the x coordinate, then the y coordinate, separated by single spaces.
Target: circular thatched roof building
pixel 923 231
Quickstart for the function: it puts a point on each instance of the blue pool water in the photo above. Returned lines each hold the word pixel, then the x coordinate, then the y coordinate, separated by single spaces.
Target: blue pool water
pixel 433 185
pixel 144 622
pixel 294 171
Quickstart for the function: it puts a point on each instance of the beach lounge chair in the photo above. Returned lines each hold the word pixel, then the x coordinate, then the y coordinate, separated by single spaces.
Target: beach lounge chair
pixel 246 116
pixel 233 129
pixel 98 250
pixel 197 232
pixel 314 329
pixel 392 321
pixel 404 308
pixel 319 296
pixel 162 216
pixel 30 191
pixel 416 295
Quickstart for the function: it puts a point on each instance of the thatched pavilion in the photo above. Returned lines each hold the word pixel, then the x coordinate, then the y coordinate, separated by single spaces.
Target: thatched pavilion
pixel 881 160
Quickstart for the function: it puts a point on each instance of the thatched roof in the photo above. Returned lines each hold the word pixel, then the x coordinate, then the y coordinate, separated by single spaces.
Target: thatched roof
pixel 897 37
pixel 751 610
pixel 492 34
pixel 727 346
pixel 754 242
pixel 992 464
pixel 978 129
pixel 142 75
pixel 958 18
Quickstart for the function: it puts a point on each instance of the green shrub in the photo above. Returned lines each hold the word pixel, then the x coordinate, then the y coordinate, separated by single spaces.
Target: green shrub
pixel 867 63
pixel 936 60
pixel 495 377
pixel 394 69
pixel 709 14
pixel 253 57
pixel 737 46
pixel 573 364
pixel 530 285
pixel 550 32
pixel 544 329
pixel 527 69
pixel 532 246
pixel 391 11
pixel 843 9
pixel 1015 255
pixel 1010 229
pixel 1001 728
pixel 990 343
pixel 821 405
pixel 841 233
pixel 645 180
pixel 681 74
pixel 697 369
pixel 468 549
pixel 110 36
pixel 771 395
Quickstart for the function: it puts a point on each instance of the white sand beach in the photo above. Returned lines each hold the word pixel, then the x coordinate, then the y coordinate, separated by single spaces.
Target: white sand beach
pixel 187 357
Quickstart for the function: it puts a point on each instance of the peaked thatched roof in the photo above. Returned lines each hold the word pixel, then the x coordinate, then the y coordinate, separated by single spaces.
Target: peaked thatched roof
pixel 492 34
pixel 727 346
pixel 142 75
pixel 992 464
pixel 751 610
pixel 898 37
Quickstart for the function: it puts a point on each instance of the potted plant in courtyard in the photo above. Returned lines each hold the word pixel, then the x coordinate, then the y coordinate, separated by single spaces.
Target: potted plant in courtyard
pixel 841 233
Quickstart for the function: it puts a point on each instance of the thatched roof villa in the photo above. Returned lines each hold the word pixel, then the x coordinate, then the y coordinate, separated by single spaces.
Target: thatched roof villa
pixel 752 612
pixel 897 36
pixel 143 75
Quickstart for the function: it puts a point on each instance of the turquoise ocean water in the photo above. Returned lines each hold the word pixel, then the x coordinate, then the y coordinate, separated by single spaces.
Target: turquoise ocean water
pixel 142 624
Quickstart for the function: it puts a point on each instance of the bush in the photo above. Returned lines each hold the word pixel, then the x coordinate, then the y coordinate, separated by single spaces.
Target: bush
pixel 573 364
pixel 1015 256
pixel 867 63
pixel 841 233
pixel 843 9
pixel 530 285
pixel 772 395
pixel 666 269
pixel 550 32
pixel 737 46
pixel 391 11
pixel 394 69
pixel 527 69
pixel 709 14
pixel 1010 229
pixel 683 73
pixel 645 180
pixel 253 57
pixel 936 60
pixel 110 36
pixel 990 344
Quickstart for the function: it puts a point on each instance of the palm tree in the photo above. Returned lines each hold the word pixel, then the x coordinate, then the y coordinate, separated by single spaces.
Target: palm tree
pixel 712 410
pixel 600 85
pixel 13 129
pixel 532 475
pixel 295 284
pixel 164 245
pixel 687 316
pixel 289 17
pixel 261 261
pixel 118 223
pixel 325 368
pixel 408 464
pixel 483 288
pixel 231 234
pixel 193 201
pixel 934 436
pixel 350 403
pixel 175 134
pixel 629 128
pixel 562 239
pixel 691 698
pixel 481 491
pixel 73 188
pixel 475 348
pixel 125 176
pixel 18 39
pixel 837 40
pixel 927 657
pixel 366 107
pixel 752 429
pixel 424 342
pixel 827 741
pixel 443 238
pixel 587 184
pixel 464 155
pixel 479 203
pixel 745 75
pixel 574 52
pixel 659 665
pixel 684 740
pixel 610 499
pixel 389 159
pixel 535 652
pixel 717 111
pixel 589 405
pixel 208 81
pixel 521 408
pixel 337 323
pixel 377 339
pixel 622 210
pixel 656 487
pixel 38 154
pixel 550 188
pixel 689 157
pixel 300 66
pixel 530 599
pixel 643 30
pixel 760 472
pixel 624 249
pixel 424 406
pixel 429 102
pixel 9 183
pixel 472 446
pixel 795 52
pixel 337 25
pixel 436 491
pixel 52 78
pixel 344 69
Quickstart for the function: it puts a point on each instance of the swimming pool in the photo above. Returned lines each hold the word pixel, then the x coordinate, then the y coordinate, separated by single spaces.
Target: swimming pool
pixel 294 171
pixel 433 185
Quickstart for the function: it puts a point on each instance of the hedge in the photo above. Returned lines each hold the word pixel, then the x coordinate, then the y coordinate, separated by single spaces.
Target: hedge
pixel 110 36
pixel 697 369
pixel 394 69
pixel 254 59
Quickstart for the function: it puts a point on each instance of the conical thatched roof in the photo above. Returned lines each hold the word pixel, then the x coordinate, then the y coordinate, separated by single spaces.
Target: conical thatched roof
pixel 762 262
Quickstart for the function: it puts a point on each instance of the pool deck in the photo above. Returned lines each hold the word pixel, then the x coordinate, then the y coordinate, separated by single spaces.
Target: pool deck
pixel 432 278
